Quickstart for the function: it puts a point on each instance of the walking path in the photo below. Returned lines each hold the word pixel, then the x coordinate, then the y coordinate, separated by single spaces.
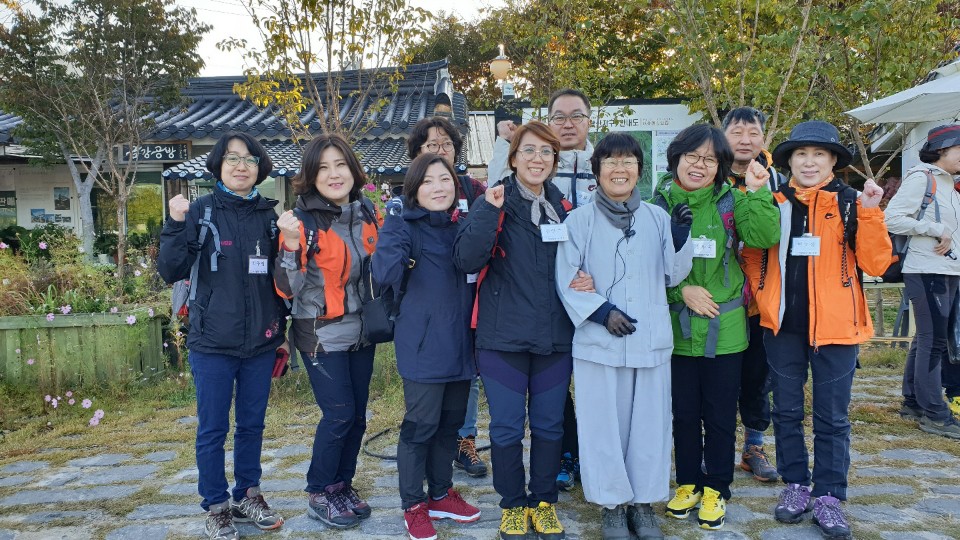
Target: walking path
pixel 905 485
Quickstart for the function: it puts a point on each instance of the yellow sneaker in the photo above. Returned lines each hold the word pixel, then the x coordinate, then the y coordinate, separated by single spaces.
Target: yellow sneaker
pixel 546 523
pixel 954 405
pixel 712 510
pixel 684 501
pixel 514 523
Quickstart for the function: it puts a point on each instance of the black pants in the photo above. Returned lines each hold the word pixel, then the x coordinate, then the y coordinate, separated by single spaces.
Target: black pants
pixel 570 442
pixel 705 392
pixel 755 381
pixel 428 438
pixel 932 298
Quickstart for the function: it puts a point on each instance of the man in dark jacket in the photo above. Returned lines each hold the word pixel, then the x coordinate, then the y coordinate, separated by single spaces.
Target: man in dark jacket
pixel 237 323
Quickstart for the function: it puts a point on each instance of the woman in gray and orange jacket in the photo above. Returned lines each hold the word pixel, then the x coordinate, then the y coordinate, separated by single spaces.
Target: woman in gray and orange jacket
pixel 815 315
pixel 322 282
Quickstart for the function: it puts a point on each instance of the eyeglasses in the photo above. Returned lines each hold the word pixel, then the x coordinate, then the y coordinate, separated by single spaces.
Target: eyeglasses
pixel 435 147
pixel 709 162
pixel 610 163
pixel 233 160
pixel 529 153
pixel 561 119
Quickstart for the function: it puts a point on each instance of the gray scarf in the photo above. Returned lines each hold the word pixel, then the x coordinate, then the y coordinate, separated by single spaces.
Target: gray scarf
pixel 538 201
pixel 620 214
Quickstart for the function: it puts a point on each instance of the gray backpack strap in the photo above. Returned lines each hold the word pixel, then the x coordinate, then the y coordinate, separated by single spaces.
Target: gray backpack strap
pixel 205 226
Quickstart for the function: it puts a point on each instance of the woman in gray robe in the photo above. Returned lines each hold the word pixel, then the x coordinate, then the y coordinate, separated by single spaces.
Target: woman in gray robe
pixel 634 251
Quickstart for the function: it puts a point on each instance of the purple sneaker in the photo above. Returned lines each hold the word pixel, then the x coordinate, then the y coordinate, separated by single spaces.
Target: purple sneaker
pixel 793 504
pixel 829 517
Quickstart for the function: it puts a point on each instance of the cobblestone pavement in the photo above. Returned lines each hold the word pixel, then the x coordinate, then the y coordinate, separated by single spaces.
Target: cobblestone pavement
pixel 909 491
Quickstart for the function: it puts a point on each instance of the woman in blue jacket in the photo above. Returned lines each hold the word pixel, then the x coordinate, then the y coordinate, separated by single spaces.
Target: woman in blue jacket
pixel 433 341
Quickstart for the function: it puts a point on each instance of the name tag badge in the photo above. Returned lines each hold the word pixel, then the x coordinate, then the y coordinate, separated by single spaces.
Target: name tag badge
pixel 463 205
pixel 258 265
pixel 806 246
pixel 704 248
pixel 472 278
pixel 554 233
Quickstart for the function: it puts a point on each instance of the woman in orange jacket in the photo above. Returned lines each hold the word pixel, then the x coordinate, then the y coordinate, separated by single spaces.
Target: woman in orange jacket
pixel 814 313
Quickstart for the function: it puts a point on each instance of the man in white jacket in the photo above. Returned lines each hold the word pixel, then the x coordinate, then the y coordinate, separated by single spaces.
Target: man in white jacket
pixel 568 115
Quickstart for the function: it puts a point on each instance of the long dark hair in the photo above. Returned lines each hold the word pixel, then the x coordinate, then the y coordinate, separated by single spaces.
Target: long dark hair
pixel 306 179
pixel 418 170
pixel 690 139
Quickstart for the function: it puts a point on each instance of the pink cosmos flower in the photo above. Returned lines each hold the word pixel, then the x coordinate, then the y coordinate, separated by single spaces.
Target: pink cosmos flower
pixel 86 403
pixel 98 413
pixel 94 421
pixel 3 245
pixel 66 309
pixel 69 393
pixel 384 197
pixel 47 398
pixel 131 319
pixel 72 401
pixel 50 317
pixel 165 345
pixel 29 361
pixel 42 245
pixel 54 403
pixel 150 312
pixel 385 186
pixel 17 351
pixel 114 309
pixel 136 273
pixel 370 187
pixel 268 333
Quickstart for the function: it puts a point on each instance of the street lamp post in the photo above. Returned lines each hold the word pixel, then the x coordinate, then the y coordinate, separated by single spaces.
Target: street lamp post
pixel 500 69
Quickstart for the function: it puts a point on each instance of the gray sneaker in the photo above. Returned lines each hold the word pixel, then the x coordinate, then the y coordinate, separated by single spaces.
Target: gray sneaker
pixel 911 414
pixel 331 508
pixel 794 502
pixel 829 517
pixel 946 428
pixel 253 509
pixel 643 523
pixel 219 524
pixel 614 524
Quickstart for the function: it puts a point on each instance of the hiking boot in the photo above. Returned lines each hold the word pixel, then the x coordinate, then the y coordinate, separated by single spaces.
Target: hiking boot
pixel 614 523
pixel 355 503
pixel 468 459
pixel 755 460
pixel 331 509
pixel 643 523
pixel 569 468
pixel 793 503
pixel 453 506
pixel 546 523
pixel 713 510
pixel 946 428
pixel 685 500
pixel 514 523
pixel 253 509
pixel 829 517
pixel 219 524
pixel 954 404
pixel 912 414
pixel 418 523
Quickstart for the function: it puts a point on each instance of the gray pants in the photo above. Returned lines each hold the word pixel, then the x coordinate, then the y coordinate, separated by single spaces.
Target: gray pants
pixel 428 438
pixel 932 297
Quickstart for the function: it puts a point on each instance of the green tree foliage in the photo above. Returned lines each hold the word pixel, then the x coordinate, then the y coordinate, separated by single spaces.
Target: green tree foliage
pixel 305 39
pixel 88 78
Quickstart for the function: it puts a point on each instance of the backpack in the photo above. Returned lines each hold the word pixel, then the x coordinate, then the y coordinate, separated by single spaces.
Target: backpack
pixel 901 242
pixel 185 290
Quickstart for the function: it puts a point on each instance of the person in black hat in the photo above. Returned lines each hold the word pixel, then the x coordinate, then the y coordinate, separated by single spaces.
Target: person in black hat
pixel 931 276
pixel 815 315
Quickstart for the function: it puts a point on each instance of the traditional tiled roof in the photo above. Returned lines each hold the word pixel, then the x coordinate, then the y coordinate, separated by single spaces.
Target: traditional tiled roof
pixel 215 109
pixel 7 123
pixel 382 156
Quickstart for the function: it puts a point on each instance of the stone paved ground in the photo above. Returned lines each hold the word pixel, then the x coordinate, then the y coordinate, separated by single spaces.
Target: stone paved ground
pixel 905 486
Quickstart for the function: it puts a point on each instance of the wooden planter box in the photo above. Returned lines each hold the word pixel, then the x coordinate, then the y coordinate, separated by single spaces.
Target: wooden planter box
pixel 73 350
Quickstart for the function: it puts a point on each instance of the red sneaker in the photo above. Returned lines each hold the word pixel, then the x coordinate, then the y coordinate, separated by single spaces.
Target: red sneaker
pixel 454 507
pixel 418 523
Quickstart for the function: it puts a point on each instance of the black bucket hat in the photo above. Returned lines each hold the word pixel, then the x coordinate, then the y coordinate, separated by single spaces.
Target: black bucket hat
pixel 942 137
pixel 812 133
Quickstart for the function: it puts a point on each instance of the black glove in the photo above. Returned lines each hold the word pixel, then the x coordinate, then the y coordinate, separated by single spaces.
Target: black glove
pixel 681 215
pixel 619 323
pixel 680 221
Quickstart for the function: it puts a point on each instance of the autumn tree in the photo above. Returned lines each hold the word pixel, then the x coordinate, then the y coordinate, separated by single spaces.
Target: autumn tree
pixel 88 77
pixel 308 42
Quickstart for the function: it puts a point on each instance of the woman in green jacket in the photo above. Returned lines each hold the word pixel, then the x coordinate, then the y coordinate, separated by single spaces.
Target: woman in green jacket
pixel 709 315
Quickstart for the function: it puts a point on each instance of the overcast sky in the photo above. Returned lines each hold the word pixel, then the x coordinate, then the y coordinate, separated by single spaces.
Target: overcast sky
pixel 229 19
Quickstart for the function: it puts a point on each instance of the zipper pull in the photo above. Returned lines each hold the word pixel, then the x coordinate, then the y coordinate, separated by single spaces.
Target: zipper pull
pixel 258 248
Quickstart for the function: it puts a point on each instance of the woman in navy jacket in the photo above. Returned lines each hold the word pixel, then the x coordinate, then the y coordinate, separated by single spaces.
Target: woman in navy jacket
pixel 524 335
pixel 433 341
